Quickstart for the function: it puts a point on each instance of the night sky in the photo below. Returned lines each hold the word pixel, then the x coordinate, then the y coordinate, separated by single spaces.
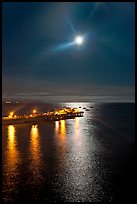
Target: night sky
pixel 37 63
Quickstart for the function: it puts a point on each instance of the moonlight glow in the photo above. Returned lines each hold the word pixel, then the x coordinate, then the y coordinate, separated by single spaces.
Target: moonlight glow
pixel 79 40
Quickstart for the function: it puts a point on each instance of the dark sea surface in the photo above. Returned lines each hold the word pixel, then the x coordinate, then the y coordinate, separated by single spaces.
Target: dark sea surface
pixel 86 159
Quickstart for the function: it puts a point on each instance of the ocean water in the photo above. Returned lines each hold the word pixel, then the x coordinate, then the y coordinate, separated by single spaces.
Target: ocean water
pixel 86 159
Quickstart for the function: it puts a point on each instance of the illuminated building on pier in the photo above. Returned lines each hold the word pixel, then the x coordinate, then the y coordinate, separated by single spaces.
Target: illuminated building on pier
pixel 58 114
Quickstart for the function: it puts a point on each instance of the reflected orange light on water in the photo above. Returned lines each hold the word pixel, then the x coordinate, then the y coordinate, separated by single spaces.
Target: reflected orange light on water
pixel 56 127
pixel 60 131
pixel 35 153
pixel 12 155
pixel 34 143
pixel 12 160
pixel 60 128
pixel 63 128
pixel 11 136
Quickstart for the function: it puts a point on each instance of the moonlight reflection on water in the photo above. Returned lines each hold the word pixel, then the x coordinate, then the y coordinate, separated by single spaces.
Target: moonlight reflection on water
pixel 83 159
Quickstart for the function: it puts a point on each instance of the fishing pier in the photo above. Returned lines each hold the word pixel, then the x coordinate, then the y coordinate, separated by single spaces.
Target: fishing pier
pixel 59 114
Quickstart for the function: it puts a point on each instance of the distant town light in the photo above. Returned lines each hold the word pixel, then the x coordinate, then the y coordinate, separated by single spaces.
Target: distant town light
pixel 34 111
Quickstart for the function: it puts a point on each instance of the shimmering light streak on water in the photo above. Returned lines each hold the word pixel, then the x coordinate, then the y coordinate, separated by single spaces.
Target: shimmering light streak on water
pixel 56 127
pixel 12 161
pixel 78 182
pixel 88 158
pixel 35 155
pixel 34 146
pixel 62 128
pixel 60 133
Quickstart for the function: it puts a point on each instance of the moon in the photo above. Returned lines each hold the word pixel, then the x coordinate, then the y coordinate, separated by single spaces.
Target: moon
pixel 79 40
